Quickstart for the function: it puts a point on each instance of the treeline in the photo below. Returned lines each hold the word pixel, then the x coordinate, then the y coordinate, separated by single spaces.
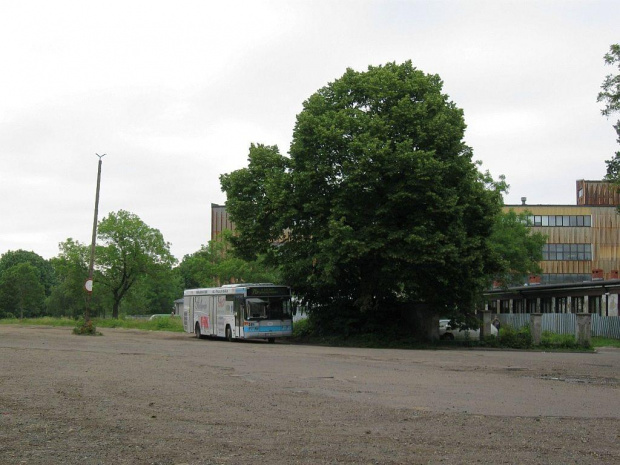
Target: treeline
pixel 135 273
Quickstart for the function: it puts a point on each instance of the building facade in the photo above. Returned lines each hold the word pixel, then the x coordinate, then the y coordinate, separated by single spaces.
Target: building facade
pixel 580 260
pixel 583 240
pixel 219 222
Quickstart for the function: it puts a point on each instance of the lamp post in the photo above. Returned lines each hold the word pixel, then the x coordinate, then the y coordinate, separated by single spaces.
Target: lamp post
pixel 89 281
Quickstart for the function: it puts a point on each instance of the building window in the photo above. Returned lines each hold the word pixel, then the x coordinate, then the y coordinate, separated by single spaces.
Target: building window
pixel 560 220
pixel 556 252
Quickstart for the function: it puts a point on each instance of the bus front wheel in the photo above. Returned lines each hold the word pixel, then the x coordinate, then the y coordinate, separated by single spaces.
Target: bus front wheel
pixel 271 340
pixel 228 333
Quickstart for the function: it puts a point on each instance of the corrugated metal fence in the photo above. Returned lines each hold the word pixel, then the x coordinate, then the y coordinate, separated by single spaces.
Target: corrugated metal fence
pixel 564 323
pixel 606 326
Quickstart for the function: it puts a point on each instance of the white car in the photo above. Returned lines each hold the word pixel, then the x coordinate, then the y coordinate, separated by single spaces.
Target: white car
pixel 449 334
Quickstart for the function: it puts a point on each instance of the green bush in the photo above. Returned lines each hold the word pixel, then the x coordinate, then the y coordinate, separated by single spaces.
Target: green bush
pixel 302 328
pixel 516 339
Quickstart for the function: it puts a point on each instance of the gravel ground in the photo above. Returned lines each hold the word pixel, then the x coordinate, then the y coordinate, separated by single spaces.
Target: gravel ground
pixel 131 397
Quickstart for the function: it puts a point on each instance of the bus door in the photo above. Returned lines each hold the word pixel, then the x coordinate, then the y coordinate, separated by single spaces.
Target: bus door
pixel 239 309
pixel 188 314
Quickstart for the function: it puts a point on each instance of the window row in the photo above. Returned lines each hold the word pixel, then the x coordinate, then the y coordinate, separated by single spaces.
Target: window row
pixel 595 304
pixel 567 252
pixel 560 220
pixel 559 278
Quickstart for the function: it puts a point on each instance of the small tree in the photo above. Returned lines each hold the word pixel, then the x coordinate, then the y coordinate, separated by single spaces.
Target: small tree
pixel 130 249
pixel 71 268
pixel 517 250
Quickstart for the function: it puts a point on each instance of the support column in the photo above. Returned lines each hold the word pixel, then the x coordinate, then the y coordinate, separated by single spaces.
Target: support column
pixel 583 329
pixel 486 325
pixel 510 304
pixel 536 328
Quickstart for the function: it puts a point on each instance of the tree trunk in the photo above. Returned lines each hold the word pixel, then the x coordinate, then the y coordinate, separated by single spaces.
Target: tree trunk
pixel 115 309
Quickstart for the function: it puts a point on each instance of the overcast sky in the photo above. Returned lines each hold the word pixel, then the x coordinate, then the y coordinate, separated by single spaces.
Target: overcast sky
pixel 174 92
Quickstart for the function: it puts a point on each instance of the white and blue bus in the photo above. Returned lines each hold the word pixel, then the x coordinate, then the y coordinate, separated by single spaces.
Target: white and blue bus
pixel 239 311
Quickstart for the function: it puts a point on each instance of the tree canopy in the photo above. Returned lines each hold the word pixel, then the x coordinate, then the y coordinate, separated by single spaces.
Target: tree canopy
pixel 610 96
pixel 379 202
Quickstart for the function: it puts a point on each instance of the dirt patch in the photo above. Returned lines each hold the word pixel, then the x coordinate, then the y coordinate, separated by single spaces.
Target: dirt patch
pixel 133 397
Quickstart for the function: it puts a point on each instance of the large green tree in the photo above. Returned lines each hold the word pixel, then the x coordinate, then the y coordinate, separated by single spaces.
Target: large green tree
pixel 610 96
pixel 379 204
pixel 127 250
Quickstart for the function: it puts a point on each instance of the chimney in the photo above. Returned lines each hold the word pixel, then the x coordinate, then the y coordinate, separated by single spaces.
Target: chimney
pixel 523 200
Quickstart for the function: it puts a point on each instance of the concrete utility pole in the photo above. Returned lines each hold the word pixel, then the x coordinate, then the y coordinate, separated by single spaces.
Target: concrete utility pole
pixel 89 282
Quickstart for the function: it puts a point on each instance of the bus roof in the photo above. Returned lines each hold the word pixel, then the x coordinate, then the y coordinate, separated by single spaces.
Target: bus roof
pixel 238 289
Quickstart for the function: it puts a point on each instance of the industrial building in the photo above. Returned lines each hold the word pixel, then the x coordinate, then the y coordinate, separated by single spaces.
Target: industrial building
pixel 219 221
pixel 581 258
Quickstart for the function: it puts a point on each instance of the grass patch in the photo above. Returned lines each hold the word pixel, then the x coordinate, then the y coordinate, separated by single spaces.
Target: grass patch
pixel 165 323
pixel 42 321
pixel 605 342
pixel 550 340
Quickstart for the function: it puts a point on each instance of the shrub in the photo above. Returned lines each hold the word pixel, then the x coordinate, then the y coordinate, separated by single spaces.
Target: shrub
pixel 516 339
pixel 86 329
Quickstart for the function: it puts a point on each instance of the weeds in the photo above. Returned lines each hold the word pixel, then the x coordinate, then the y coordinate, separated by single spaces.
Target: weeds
pixel 86 329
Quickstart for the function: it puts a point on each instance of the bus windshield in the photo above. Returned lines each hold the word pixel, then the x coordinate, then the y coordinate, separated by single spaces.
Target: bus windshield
pixel 268 308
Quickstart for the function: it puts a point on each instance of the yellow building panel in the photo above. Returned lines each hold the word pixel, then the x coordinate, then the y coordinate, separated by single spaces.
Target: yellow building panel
pixel 567 267
pixel 608 252
pixel 562 235
pixel 550 209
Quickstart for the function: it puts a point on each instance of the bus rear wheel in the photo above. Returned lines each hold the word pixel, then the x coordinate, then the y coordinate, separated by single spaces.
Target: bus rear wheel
pixel 228 333
pixel 271 340
pixel 197 331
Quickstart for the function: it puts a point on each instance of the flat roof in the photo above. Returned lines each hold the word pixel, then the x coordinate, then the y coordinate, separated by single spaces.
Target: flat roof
pixel 550 288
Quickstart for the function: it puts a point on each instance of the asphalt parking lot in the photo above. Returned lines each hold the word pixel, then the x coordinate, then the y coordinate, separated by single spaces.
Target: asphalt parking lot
pixel 167 398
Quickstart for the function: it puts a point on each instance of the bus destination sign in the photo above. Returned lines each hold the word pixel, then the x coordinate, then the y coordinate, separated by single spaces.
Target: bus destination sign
pixel 268 291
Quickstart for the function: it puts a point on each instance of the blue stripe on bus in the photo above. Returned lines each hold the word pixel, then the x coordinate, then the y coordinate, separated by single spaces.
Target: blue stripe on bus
pixel 266 329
